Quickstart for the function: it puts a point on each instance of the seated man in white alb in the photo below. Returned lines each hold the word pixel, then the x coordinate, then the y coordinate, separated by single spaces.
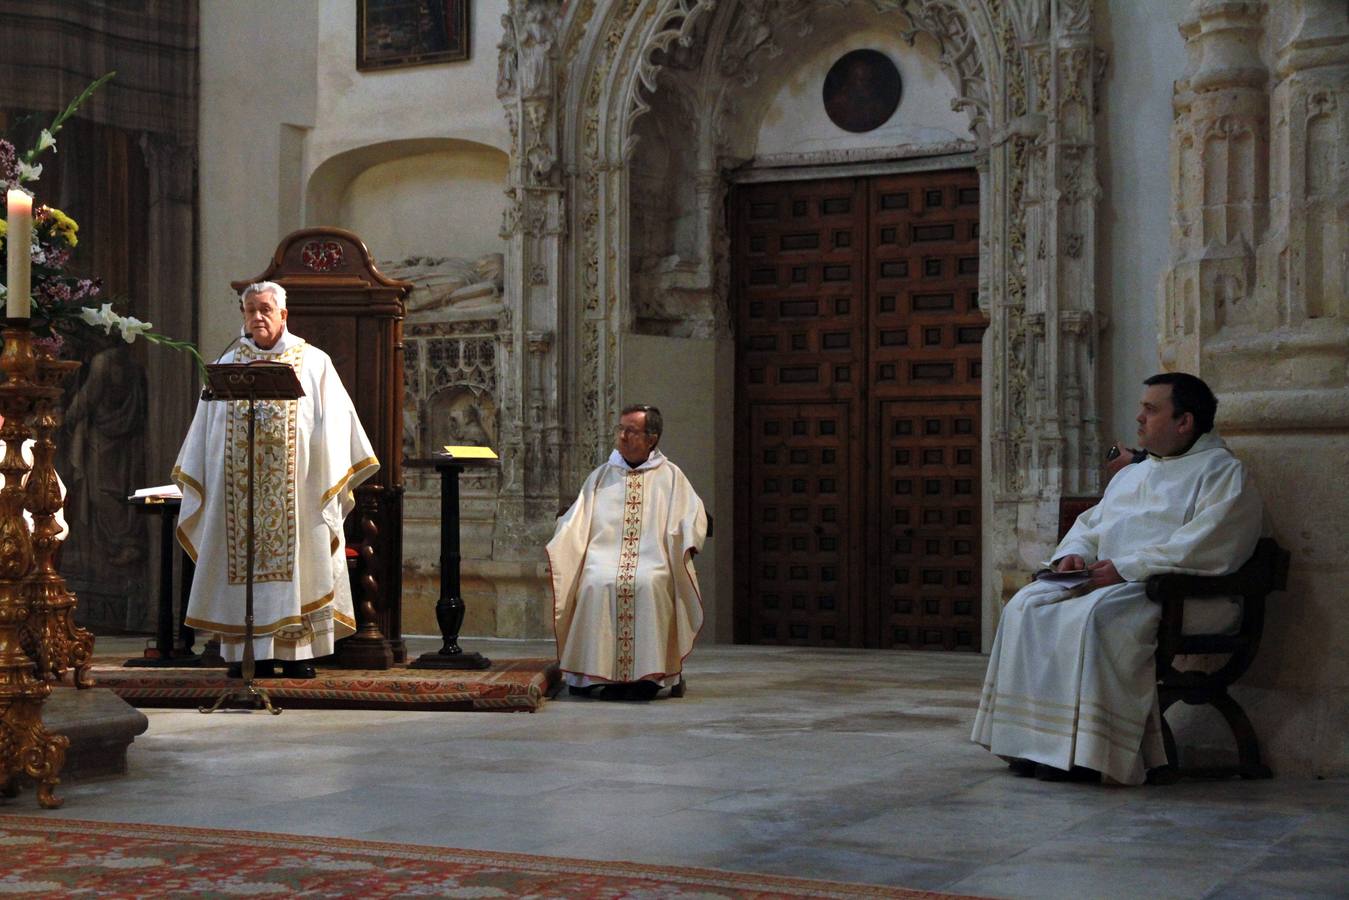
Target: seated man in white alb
pixel 626 606
pixel 1071 686
pixel 310 454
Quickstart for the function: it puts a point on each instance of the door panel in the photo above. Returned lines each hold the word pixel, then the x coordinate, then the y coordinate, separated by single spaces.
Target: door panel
pixel 801 504
pixel 855 300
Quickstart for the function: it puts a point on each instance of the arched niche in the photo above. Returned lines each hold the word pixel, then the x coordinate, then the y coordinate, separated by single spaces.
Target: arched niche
pixel 448 193
pixel 1026 72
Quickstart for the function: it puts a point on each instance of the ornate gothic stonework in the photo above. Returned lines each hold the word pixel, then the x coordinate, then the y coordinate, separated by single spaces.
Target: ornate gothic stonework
pixel 1026 72
pixel 1253 302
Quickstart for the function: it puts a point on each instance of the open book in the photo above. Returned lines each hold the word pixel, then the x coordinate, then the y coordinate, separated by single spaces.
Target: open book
pixel 1069 579
pixel 162 492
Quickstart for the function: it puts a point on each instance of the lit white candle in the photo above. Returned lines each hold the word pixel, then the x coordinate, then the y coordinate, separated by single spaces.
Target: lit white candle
pixel 19 204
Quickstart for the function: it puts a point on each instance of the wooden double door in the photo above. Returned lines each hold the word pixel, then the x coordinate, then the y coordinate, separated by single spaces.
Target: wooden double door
pixel 858 380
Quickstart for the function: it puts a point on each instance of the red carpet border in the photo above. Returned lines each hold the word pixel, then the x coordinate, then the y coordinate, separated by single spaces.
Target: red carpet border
pixel 49 857
pixel 513 685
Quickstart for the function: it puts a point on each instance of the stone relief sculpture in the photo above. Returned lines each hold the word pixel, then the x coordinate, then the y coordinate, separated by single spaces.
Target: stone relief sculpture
pixel 102 459
pixel 461 415
pixel 450 282
pixel 536 42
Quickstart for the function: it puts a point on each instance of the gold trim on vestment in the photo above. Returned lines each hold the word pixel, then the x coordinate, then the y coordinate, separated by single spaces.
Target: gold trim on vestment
pixel 178 475
pixel 274 462
pixel 1090 719
pixel 345 479
pixel 306 611
pixel 625 600
pixel 238 630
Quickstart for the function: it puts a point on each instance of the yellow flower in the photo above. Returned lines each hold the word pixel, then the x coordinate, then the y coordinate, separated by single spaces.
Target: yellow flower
pixel 64 225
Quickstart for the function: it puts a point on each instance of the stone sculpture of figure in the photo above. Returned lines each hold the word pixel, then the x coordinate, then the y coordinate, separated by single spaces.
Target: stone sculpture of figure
pixel 466 426
pixel 536 44
pixel 506 58
pixel 451 281
pixel 106 453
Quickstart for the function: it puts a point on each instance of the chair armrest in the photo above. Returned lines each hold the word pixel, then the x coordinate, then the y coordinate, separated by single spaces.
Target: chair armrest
pixel 1161 587
pixel 1265 571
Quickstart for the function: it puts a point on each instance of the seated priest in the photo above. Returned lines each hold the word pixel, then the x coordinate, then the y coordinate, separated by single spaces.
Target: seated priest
pixel 1071 689
pixel 626 605
pixel 309 456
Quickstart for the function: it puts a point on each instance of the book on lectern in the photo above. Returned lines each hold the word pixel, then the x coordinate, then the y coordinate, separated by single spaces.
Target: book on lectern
pixel 160 493
pixel 468 452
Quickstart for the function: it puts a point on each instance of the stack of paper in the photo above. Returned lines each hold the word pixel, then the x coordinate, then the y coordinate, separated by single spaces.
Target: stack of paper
pixel 161 492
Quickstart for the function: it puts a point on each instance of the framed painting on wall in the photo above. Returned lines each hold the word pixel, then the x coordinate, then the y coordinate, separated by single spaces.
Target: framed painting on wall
pixel 395 33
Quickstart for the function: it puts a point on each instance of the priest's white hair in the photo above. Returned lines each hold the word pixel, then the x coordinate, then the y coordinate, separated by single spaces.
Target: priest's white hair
pixel 265 287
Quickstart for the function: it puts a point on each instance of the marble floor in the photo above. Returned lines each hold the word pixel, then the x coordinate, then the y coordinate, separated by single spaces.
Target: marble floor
pixel 836 764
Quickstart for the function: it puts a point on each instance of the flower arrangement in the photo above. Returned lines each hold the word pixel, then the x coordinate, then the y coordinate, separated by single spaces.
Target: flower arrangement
pixel 59 300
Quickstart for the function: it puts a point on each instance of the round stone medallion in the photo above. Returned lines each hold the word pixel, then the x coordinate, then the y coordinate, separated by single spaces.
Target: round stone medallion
pixel 861 91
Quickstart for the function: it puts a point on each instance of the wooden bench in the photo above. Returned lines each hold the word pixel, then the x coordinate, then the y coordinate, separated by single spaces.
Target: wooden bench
pixel 1265 572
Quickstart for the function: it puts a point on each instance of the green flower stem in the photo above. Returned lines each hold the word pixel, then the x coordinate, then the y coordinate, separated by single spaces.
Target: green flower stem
pixel 69 111
pixel 185 346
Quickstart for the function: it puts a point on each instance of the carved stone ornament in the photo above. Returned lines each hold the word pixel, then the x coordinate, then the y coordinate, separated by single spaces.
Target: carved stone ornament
pixel 595 85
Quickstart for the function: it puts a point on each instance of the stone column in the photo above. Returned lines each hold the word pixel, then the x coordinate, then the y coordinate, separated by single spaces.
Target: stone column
pixel 1254 304
pixel 530 432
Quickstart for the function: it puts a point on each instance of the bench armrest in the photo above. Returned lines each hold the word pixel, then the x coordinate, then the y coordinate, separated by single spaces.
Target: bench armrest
pixel 1161 587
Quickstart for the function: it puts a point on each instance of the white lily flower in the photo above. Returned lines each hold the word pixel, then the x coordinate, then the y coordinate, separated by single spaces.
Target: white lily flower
pixel 45 141
pixel 90 316
pixel 107 318
pixel 29 172
pixel 131 326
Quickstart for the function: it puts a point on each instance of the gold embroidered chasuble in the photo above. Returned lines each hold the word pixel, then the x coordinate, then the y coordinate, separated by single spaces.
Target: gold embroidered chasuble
pixel 309 455
pixel 626 604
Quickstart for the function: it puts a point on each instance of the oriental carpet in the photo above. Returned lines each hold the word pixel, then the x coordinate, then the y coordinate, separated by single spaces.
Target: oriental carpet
pixel 49 857
pixel 510 685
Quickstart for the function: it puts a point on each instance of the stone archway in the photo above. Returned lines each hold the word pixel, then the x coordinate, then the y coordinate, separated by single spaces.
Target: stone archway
pixel 1026 72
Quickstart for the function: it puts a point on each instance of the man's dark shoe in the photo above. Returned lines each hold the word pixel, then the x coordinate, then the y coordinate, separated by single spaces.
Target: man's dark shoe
pixel 577 690
pixel 298 668
pixel 643 691
pixel 1023 768
pixel 1076 773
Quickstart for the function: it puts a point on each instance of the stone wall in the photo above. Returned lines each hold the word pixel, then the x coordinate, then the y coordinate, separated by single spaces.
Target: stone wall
pixel 1254 302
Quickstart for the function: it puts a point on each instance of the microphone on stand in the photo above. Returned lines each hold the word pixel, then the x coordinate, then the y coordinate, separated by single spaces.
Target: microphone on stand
pixel 206 393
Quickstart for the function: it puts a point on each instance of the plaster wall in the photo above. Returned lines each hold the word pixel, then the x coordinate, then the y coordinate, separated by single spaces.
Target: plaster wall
pixel 257 90
pixel 681 376
pixel 356 109
pixel 1146 55
pixel 430 204
pixel 795 120
pixel 280 95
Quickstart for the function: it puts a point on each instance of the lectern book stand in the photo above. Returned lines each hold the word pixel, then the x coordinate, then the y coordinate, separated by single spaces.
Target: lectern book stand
pixel 252 382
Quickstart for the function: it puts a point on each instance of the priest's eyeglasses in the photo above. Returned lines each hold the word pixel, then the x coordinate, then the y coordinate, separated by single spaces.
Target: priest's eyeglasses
pixel 626 431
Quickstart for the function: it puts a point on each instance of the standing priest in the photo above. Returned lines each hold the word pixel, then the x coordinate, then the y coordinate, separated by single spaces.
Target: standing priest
pixel 1071 689
pixel 626 606
pixel 310 454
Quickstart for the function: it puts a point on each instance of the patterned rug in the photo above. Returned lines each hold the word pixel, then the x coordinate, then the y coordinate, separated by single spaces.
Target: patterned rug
pixel 46 857
pixel 511 685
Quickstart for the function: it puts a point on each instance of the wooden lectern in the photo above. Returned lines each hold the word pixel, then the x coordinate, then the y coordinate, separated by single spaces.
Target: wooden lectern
pixel 252 382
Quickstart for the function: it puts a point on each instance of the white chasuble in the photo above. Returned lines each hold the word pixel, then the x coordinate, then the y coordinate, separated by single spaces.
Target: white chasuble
pixel 626 604
pixel 1072 680
pixel 309 455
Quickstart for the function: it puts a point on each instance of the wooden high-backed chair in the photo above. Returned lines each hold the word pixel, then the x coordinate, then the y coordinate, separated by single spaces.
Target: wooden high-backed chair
pixel 345 306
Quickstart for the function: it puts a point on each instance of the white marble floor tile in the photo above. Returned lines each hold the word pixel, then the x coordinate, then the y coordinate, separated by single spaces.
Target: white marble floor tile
pixel 846 765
